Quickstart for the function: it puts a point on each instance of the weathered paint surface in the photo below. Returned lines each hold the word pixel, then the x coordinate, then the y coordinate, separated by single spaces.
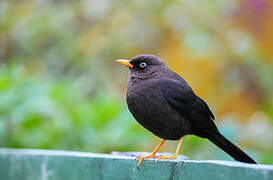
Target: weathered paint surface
pixel 57 165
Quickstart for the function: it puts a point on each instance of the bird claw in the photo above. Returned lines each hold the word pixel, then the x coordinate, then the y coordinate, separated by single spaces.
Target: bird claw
pixel 166 157
pixel 141 158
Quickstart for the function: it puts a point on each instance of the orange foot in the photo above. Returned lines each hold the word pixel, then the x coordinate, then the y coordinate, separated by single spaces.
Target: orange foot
pixel 167 157
pixel 151 155
pixel 141 158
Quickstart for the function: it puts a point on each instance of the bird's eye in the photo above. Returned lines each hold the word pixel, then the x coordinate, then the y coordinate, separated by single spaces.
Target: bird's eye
pixel 142 64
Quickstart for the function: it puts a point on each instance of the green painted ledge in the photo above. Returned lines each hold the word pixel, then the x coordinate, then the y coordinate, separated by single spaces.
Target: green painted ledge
pixel 25 164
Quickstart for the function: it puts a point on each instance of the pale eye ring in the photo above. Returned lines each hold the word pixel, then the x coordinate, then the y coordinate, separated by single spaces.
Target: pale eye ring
pixel 142 64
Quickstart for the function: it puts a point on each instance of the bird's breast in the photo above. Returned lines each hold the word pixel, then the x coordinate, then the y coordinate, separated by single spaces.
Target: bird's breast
pixel 152 111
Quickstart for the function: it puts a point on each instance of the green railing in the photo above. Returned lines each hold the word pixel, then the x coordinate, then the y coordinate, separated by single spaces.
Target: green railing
pixel 46 165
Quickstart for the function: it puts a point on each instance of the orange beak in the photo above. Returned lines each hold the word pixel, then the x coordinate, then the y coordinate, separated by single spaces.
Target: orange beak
pixel 125 62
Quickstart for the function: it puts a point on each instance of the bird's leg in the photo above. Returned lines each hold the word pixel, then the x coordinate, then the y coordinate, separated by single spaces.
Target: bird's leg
pixel 152 155
pixel 176 152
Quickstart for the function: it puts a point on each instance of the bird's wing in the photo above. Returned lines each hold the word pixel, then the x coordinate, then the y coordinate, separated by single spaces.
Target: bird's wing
pixel 182 98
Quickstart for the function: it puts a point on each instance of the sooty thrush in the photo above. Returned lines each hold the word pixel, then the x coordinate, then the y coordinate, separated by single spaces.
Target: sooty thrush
pixel 163 103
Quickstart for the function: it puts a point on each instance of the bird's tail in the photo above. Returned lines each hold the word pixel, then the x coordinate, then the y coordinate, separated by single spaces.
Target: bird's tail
pixel 227 146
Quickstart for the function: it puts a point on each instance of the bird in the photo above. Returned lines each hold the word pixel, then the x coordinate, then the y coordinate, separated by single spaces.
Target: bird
pixel 163 103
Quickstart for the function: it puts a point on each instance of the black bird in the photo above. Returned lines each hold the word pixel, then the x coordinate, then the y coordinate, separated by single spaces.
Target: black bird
pixel 163 102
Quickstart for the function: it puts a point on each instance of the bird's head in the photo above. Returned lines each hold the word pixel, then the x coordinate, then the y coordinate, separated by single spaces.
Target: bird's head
pixel 143 65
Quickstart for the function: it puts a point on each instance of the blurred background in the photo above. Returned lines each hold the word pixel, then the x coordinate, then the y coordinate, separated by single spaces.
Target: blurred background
pixel 60 87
